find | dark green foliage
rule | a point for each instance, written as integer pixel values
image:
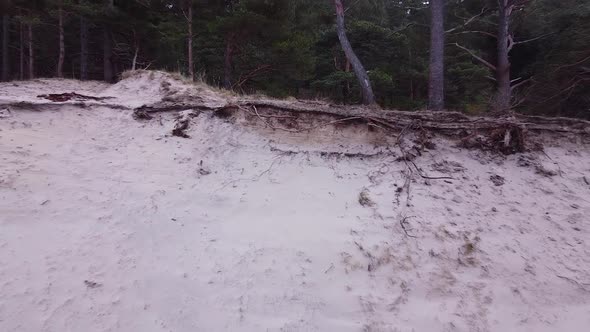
(290, 48)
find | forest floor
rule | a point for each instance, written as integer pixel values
(109, 223)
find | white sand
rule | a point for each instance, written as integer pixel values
(271, 241)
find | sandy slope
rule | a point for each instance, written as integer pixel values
(109, 224)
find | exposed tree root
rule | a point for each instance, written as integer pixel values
(182, 124)
(507, 135)
(507, 138)
(63, 97)
(49, 106)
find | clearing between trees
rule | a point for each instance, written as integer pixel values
(158, 205)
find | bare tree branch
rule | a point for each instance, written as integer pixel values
(244, 78)
(569, 88)
(520, 83)
(468, 21)
(510, 42)
(533, 39)
(572, 64)
(351, 5)
(404, 27)
(484, 62)
(477, 31)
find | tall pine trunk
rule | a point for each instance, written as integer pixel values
(83, 48)
(5, 51)
(191, 67)
(357, 66)
(62, 49)
(503, 94)
(108, 45)
(107, 54)
(31, 51)
(227, 63)
(22, 51)
(436, 82)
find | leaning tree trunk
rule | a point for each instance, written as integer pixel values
(5, 51)
(62, 49)
(227, 63)
(357, 66)
(436, 99)
(31, 51)
(503, 94)
(83, 48)
(191, 68)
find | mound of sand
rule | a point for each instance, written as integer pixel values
(144, 87)
(135, 89)
(112, 224)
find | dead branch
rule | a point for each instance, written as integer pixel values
(248, 76)
(521, 82)
(468, 21)
(533, 39)
(489, 34)
(475, 56)
(572, 64)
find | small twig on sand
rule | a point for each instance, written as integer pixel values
(330, 268)
(257, 177)
(577, 283)
(554, 162)
(403, 223)
(430, 177)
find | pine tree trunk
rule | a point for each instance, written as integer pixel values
(5, 51)
(357, 66)
(191, 68)
(436, 82)
(62, 50)
(227, 66)
(503, 94)
(31, 51)
(22, 52)
(108, 46)
(107, 54)
(83, 48)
